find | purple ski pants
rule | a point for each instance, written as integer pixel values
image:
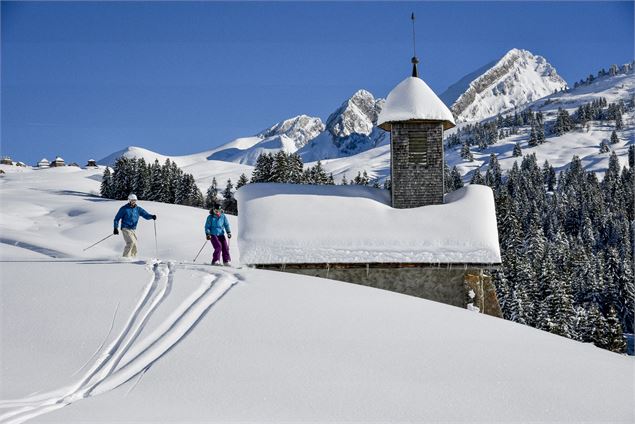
(220, 245)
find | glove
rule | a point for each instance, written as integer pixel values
(154, 217)
(229, 235)
(208, 237)
(116, 231)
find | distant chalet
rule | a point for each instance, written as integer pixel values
(413, 240)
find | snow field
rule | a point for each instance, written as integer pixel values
(130, 342)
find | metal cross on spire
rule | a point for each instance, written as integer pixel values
(415, 72)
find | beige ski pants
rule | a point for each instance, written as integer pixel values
(131, 243)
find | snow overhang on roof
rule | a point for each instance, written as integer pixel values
(413, 100)
(307, 224)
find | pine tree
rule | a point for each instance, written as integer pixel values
(614, 138)
(106, 184)
(604, 147)
(466, 153)
(477, 178)
(563, 122)
(533, 137)
(619, 124)
(263, 170)
(280, 168)
(614, 334)
(296, 168)
(242, 180)
(229, 203)
(317, 174)
(456, 180)
(158, 185)
(344, 180)
(211, 197)
(141, 183)
(517, 151)
(494, 174)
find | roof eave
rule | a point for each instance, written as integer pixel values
(386, 126)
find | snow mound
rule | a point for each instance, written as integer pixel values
(286, 223)
(413, 99)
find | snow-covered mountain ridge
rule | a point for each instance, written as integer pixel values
(350, 142)
(518, 78)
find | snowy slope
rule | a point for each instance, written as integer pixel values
(583, 142)
(194, 343)
(344, 224)
(57, 212)
(288, 136)
(199, 165)
(519, 77)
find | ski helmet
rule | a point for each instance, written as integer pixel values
(132, 196)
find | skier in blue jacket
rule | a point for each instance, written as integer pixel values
(129, 216)
(215, 227)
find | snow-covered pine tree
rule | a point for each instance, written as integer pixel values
(517, 151)
(619, 124)
(614, 138)
(242, 180)
(122, 178)
(229, 203)
(280, 168)
(604, 147)
(563, 122)
(318, 174)
(263, 168)
(141, 179)
(494, 174)
(344, 180)
(211, 198)
(106, 184)
(296, 168)
(466, 153)
(477, 177)
(615, 336)
(456, 179)
(533, 137)
(158, 185)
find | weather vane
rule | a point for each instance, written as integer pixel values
(415, 72)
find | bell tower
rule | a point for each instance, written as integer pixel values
(416, 119)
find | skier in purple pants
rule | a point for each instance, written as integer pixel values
(215, 227)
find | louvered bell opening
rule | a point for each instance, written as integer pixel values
(417, 147)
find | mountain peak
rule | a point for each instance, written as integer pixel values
(517, 78)
(357, 115)
(301, 129)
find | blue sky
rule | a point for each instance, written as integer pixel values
(84, 79)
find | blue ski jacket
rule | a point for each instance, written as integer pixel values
(214, 225)
(129, 216)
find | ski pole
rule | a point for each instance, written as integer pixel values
(199, 252)
(156, 243)
(98, 242)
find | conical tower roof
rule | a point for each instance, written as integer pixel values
(413, 100)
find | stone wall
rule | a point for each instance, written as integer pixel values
(441, 284)
(417, 179)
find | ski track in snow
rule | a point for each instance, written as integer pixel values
(126, 357)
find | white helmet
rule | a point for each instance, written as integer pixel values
(132, 196)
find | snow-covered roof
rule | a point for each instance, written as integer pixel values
(412, 99)
(287, 223)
